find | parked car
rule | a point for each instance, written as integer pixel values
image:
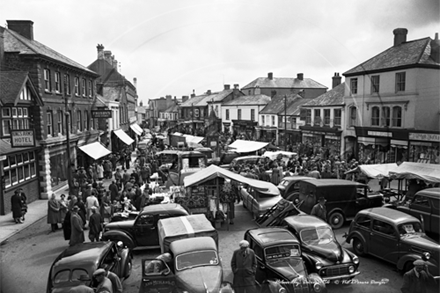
(195, 267)
(225, 159)
(321, 251)
(290, 185)
(143, 230)
(344, 198)
(75, 265)
(393, 236)
(279, 257)
(257, 200)
(244, 160)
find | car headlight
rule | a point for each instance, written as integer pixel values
(356, 260)
(317, 287)
(318, 265)
(351, 269)
(426, 255)
(282, 290)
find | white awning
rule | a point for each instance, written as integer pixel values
(247, 146)
(95, 150)
(123, 136)
(136, 128)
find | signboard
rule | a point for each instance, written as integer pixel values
(22, 138)
(379, 133)
(424, 136)
(101, 113)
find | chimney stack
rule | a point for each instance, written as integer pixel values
(193, 94)
(270, 75)
(227, 86)
(236, 86)
(208, 92)
(435, 50)
(300, 76)
(135, 82)
(108, 57)
(184, 99)
(100, 48)
(114, 63)
(23, 27)
(336, 80)
(399, 36)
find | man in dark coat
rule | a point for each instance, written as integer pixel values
(95, 225)
(67, 226)
(319, 210)
(16, 205)
(114, 191)
(417, 279)
(77, 234)
(244, 267)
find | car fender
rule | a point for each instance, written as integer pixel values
(310, 261)
(126, 256)
(117, 235)
(358, 235)
(410, 257)
(336, 210)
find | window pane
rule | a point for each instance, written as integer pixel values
(6, 112)
(6, 124)
(7, 178)
(20, 173)
(19, 159)
(26, 171)
(25, 112)
(14, 179)
(33, 172)
(12, 160)
(25, 157)
(31, 156)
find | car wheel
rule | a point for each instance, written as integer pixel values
(129, 268)
(407, 267)
(336, 220)
(358, 247)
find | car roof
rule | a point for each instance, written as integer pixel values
(272, 235)
(297, 178)
(192, 244)
(430, 192)
(389, 214)
(165, 207)
(83, 255)
(304, 221)
(332, 182)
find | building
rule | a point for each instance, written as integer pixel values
(169, 118)
(141, 114)
(392, 102)
(155, 107)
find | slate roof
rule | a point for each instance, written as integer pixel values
(107, 72)
(14, 42)
(295, 108)
(251, 100)
(284, 82)
(276, 105)
(11, 83)
(173, 109)
(334, 97)
(193, 101)
(412, 53)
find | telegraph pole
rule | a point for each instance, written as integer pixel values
(67, 115)
(285, 123)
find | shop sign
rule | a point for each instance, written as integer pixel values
(334, 137)
(379, 133)
(424, 136)
(101, 113)
(22, 138)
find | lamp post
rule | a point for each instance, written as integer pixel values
(69, 170)
(285, 123)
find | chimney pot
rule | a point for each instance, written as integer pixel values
(400, 36)
(208, 92)
(227, 86)
(100, 49)
(236, 86)
(300, 76)
(270, 75)
(435, 49)
(23, 27)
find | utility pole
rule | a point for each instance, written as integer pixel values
(67, 115)
(192, 119)
(285, 123)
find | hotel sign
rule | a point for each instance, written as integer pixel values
(22, 138)
(424, 136)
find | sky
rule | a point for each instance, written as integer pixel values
(175, 47)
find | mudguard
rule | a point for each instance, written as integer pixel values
(116, 235)
(125, 258)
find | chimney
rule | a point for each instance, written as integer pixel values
(273, 94)
(168, 98)
(114, 63)
(193, 94)
(300, 76)
(435, 52)
(227, 86)
(336, 80)
(141, 104)
(184, 99)
(257, 90)
(23, 27)
(235, 92)
(399, 36)
(108, 57)
(236, 86)
(270, 75)
(100, 48)
(135, 82)
(2, 48)
(208, 92)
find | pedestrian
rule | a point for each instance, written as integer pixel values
(16, 205)
(53, 212)
(314, 173)
(95, 225)
(244, 267)
(63, 208)
(67, 226)
(114, 279)
(23, 204)
(276, 175)
(114, 191)
(77, 234)
(417, 279)
(91, 201)
(100, 171)
(319, 210)
(127, 161)
(104, 284)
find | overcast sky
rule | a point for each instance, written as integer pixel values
(174, 47)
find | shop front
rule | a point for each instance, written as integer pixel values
(226, 127)
(120, 140)
(326, 143)
(244, 129)
(268, 134)
(424, 147)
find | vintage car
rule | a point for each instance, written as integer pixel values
(393, 236)
(179, 164)
(194, 267)
(244, 160)
(259, 200)
(289, 185)
(75, 265)
(321, 251)
(279, 257)
(142, 231)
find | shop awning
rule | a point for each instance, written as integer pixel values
(421, 171)
(136, 128)
(95, 150)
(375, 170)
(123, 136)
(247, 146)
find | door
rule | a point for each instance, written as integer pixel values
(157, 277)
(146, 230)
(360, 202)
(384, 241)
(261, 274)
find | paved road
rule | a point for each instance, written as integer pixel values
(26, 259)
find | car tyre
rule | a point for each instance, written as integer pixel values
(129, 269)
(407, 267)
(336, 220)
(358, 247)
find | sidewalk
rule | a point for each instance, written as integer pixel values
(37, 210)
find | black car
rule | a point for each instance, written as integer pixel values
(279, 257)
(290, 185)
(75, 265)
(142, 231)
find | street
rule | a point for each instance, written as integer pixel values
(27, 257)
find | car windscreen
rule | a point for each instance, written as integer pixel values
(410, 228)
(265, 195)
(70, 276)
(318, 235)
(196, 258)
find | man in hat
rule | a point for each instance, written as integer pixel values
(319, 210)
(417, 279)
(77, 233)
(114, 279)
(82, 288)
(95, 226)
(104, 283)
(244, 267)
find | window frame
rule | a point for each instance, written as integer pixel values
(49, 123)
(47, 81)
(238, 114)
(375, 120)
(375, 84)
(317, 117)
(83, 87)
(386, 116)
(353, 116)
(57, 81)
(76, 86)
(396, 118)
(400, 81)
(252, 114)
(327, 116)
(78, 121)
(60, 122)
(354, 85)
(66, 84)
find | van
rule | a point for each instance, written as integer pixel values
(344, 198)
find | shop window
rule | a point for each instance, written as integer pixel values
(19, 168)
(375, 116)
(400, 81)
(375, 82)
(386, 117)
(397, 116)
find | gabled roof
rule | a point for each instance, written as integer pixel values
(14, 42)
(219, 96)
(334, 97)
(252, 100)
(172, 109)
(407, 54)
(204, 99)
(295, 108)
(11, 85)
(278, 103)
(193, 101)
(107, 72)
(284, 82)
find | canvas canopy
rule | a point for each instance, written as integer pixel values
(123, 136)
(247, 146)
(136, 128)
(214, 171)
(274, 155)
(95, 150)
(377, 171)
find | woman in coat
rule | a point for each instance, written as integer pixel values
(16, 205)
(53, 212)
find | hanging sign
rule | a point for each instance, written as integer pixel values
(22, 138)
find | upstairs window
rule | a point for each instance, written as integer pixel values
(76, 86)
(57, 78)
(354, 85)
(375, 116)
(78, 121)
(400, 81)
(49, 123)
(47, 85)
(397, 116)
(337, 117)
(67, 84)
(353, 116)
(83, 87)
(60, 122)
(90, 88)
(86, 120)
(375, 82)
(317, 118)
(326, 117)
(386, 116)
(25, 94)
(308, 117)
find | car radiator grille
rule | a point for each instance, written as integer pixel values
(300, 287)
(335, 271)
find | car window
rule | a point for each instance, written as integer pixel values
(147, 219)
(320, 235)
(77, 273)
(421, 201)
(275, 253)
(363, 221)
(360, 192)
(383, 227)
(62, 276)
(410, 228)
(156, 267)
(257, 249)
(196, 258)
